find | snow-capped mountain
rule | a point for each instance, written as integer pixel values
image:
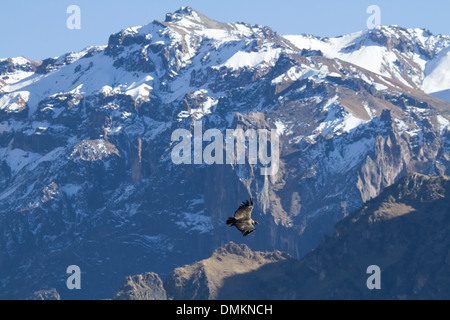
(408, 55)
(85, 143)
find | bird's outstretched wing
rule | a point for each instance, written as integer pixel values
(244, 212)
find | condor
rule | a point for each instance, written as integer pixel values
(243, 218)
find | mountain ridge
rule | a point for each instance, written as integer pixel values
(85, 148)
(396, 231)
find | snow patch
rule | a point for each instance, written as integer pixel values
(18, 159)
(281, 127)
(444, 123)
(337, 121)
(14, 102)
(71, 189)
(244, 59)
(437, 75)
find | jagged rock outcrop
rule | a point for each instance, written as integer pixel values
(147, 286)
(50, 294)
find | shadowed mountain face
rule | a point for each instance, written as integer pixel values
(405, 232)
(86, 174)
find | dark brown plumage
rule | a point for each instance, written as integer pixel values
(243, 218)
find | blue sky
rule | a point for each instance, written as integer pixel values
(37, 29)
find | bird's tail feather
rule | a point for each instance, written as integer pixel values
(231, 222)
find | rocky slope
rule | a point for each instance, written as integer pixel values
(146, 286)
(203, 280)
(404, 231)
(86, 175)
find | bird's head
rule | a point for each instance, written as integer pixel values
(255, 222)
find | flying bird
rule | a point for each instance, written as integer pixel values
(243, 218)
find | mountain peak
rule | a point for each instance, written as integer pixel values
(181, 13)
(209, 275)
(186, 13)
(185, 10)
(190, 19)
